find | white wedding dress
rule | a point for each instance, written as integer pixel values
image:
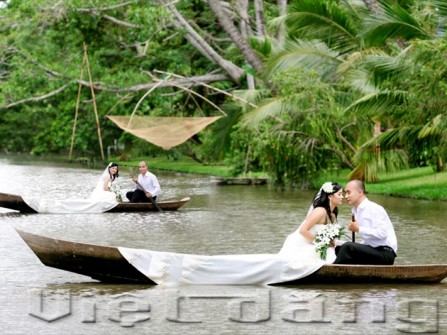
(99, 194)
(99, 201)
(296, 259)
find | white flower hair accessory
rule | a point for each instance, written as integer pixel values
(328, 187)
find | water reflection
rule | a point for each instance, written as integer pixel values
(217, 220)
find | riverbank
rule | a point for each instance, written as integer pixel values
(416, 183)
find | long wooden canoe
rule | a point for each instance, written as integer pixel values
(16, 202)
(105, 263)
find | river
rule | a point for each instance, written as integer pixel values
(218, 220)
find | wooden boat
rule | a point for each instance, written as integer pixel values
(105, 263)
(17, 203)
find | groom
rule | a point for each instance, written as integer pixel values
(147, 186)
(374, 227)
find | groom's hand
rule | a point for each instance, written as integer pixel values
(353, 226)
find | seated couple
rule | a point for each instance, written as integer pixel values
(371, 223)
(298, 257)
(147, 185)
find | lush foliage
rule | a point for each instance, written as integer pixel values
(297, 132)
(332, 85)
(43, 45)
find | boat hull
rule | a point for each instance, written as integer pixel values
(102, 263)
(361, 274)
(105, 263)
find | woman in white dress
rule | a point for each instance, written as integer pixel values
(324, 210)
(297, 258)
(101, 200)
(103, 190)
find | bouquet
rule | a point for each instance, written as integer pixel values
(117, 190)
(324, 237)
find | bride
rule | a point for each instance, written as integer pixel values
(101, 199)
(103, 190)
(297, 258)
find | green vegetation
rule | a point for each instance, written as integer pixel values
(417, 183)
(323, 85)
(184, 164)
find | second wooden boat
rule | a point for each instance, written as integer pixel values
(16, 202)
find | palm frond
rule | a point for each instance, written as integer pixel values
(252, 97)
(437, 126)
(385, 152)
(270, 108)
(324, 20)
(373, 70)
(221, 139)
(308, 54)
(375, 103)
(371, 163)
(396, 138)
(394, 22)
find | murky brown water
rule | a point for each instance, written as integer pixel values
(218, 220)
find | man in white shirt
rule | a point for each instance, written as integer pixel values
(147, 187)
(372, 223)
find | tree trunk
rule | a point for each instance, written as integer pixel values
(260, 21)
(244, 22)
(227, 24)
(202, 46)
(282, 7)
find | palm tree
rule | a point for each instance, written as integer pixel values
(349, 46)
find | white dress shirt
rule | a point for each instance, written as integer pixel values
(150, 183)
(376, 228)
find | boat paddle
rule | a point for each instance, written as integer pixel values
(353, 233)
(151, 199)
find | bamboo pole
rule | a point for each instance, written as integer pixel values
(77, 110)
(94, 102)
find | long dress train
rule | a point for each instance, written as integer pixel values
(296, 259)
(98, 202)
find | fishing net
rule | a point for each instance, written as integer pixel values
(165, 132)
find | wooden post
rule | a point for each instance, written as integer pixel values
(77, 109)
(85, 63)
(94, 102)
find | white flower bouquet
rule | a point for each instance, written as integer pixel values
(324, 237)
(117, 190)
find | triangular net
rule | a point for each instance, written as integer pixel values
(165, 132)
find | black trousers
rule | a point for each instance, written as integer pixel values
(138, 196)
(356, 253)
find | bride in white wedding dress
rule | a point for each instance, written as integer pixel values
(297, 258)
(101, 199)
(102, 191)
